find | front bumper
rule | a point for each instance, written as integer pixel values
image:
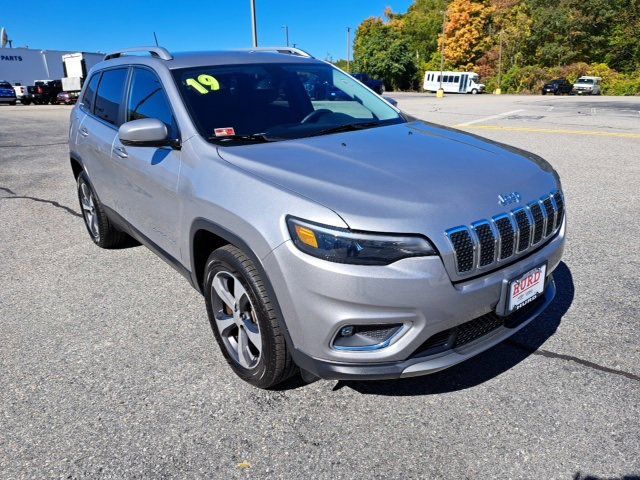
(317, 298)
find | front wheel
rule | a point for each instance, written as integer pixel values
(243, 319)
(474, 91)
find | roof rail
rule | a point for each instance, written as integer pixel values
(157, 52)
(285, 50)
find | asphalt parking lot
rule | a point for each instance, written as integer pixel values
(109, 369)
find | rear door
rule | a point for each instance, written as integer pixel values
(147, 191)
(99, 128)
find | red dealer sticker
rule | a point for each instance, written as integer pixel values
(224, 132)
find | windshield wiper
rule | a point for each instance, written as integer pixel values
(347, 127)
(254, 137)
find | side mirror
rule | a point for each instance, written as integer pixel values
(146, 132)
(391, 101)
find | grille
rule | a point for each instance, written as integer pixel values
(377, 332)
(538, 222)
(560, 207)
(474, 329)
(524, 226)
(506, 234)
(550, 212)
(462, 244)
(487, 243)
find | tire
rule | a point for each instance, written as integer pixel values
(474, 91)
(247, 313)
(100, 229)
(12, 103)
(544, 93)
(25, 102)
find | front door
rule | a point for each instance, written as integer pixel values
(149, 175)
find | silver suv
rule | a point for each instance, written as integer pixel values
(327, 231)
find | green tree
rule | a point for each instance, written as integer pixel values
(381, 51)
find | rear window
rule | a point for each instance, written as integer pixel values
(109, 95)
(5, 85)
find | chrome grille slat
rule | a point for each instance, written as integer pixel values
(537, 222)
(559, 200)
(506, 234)
(486, 243)
(464, 247)
(550, 211)
(523, 223)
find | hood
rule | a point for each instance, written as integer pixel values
(406, 178)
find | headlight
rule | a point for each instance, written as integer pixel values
(346, 246)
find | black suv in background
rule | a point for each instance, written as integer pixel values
(557, 87)
(45, 91)
(375, 85)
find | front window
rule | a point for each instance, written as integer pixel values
(236, 104)
(587, 81)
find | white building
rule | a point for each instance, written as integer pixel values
(26, 65)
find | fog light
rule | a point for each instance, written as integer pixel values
(346, 331)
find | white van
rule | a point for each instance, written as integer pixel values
(587, 85)
(453, 82)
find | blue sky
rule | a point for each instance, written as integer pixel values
(318, 26)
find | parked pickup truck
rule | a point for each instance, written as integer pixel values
(46, 91)
(375, 85)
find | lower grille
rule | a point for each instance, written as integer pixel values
(474, 329)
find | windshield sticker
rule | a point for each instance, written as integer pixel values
(224, 132)
(201, 84)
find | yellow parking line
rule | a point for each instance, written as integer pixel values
(595, 133)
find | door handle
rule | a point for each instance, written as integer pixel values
(84, 132)
(121, 151)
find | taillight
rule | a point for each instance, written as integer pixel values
(40, 90)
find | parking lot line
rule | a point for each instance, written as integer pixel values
(595, 133)
(492, 117)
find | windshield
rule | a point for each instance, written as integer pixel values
(234, 104)
(588, 81)
(5, 85)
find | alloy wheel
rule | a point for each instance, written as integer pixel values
(236, 319)
(89, 210)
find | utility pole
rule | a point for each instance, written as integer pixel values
(286, 33)
(349, 49)
(440, 92)
(254, 25)
(499, 89)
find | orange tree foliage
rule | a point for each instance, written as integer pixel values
(465, 31)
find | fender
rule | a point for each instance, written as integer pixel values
(204, 224)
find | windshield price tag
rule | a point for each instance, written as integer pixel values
(204, 84)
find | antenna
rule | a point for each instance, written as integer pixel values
(155, 38)
(4, 38)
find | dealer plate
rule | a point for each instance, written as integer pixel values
(526, 288)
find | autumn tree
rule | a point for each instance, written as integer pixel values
(465, 31)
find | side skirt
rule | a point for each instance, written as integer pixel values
(126, 227)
